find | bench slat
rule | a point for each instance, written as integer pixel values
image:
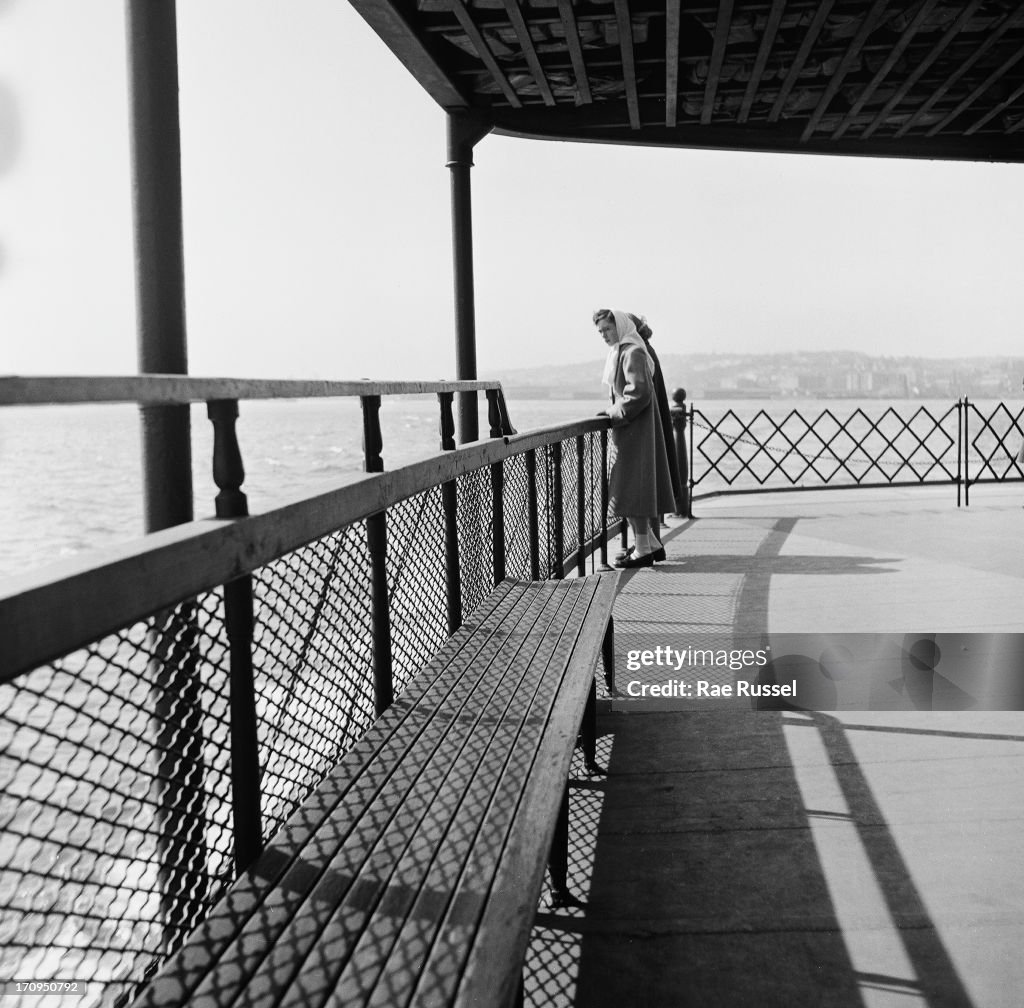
(494, 963)
(402, 848)
(487, 806)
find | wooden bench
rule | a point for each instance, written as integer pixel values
(411, 876)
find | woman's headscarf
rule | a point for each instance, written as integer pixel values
(628, 336)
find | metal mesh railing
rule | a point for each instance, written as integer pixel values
(517, 518)
(117, 820)
(826, 448)
(115, 808)
(312, 661)
(993, 439)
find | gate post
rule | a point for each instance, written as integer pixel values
(678, 412)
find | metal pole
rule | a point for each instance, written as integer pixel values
(159, 256)
(464, 130)
(967, 452)
(161, 348)
(959, 448)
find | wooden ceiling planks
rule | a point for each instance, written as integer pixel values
(852, 53)
(905, 78)
(671, 62)
(624, 24)
(465, 19)
(572, 37)
(998, 110)
(811, 36)
(515, 16)
(967, 102)
(1004, 25)
(771, 29)
(722, 26)
(886, 68)
(923, 67)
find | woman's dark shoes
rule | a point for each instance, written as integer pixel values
(659, 553)
(647, 560)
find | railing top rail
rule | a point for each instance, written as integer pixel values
(51, 611)
(154, 389)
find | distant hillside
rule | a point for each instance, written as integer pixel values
(791, 375)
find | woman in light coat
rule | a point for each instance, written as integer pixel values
(639, 482)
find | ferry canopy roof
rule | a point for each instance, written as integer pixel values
(901, 78)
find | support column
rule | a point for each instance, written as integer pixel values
(465, 130)
(159, 256)
(179, 785)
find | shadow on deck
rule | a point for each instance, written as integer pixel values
(736, 857)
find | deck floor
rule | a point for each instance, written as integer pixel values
(736, 857)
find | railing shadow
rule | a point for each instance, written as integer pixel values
(708, 881)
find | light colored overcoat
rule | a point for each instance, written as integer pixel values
(640, 484)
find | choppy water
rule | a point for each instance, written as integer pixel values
(70, 476)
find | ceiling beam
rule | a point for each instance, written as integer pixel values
(671, 62)
(572, 39)
(624, 23)
(979, 91)
(771, 29)
(722, 26)
(483, 50)
(515, 16)
(607, 122)
(922, 67)
(1001, 107)
(886, 68)
(1000, 30)
(417, 58)
(813, 30)
(853, 51)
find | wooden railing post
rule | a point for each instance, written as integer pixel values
(497, 430)
(604, 499)
(228, 474)
(678, 413)
(495, 420)
(450, 504)
(533, 518)
(555, 506)
(377, 546)
(581, 525)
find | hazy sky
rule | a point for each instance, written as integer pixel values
(318, 233)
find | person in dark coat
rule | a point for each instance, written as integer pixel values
(645, 333)
(638, 484)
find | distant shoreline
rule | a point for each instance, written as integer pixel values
(572, 395)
